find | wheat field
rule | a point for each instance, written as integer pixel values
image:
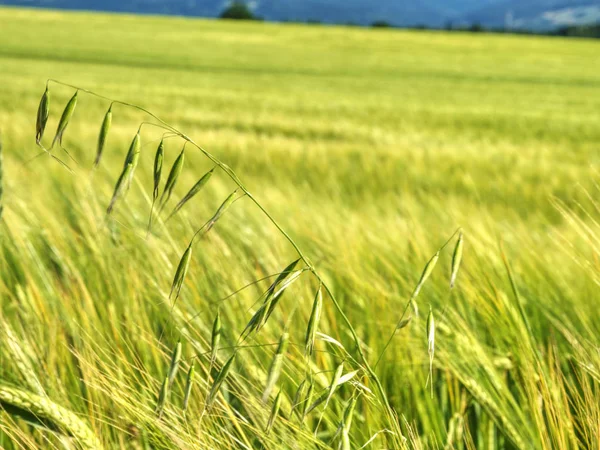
(369, 148)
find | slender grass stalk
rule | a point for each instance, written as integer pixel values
(232, 175)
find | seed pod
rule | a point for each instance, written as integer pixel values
(172, 178)
(313, 323)
(192, 192)
(181, 271)
(276, 365)
(42, 116)
(162, 397)
(175, 358)
(188, 387)
(456, 259)
(64, 119)
(274, 412)
(219, 381)
(103, 134)
(426, 272)
(158, 163)
(119, 187)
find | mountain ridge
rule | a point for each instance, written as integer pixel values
(517, 14)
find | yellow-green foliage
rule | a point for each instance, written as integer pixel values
(369, 148)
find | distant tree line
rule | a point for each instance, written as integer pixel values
(239, 10)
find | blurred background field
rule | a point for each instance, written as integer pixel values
(370, 147)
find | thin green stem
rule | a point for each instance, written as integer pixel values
(232, 175)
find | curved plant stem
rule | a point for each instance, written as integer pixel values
(232, 175)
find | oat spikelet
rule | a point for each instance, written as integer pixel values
(181, 272)
(103, 134)
(175, 358)
(163, 394)
(64, 119)
(430, 346)
(276, 365)
(347, 423)
(456, 259)
(119, 187)
(274, 412)
(215, 338)
(172, 179)
(133, 156)
(192, 192)
(313, 322)
(188, 387)
(219, 381)
(42, 116)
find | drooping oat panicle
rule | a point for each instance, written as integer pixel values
(430, 345)
(274, 412)
(222, 375)
(41, 411)
(175, 358)
(456, 259)
(276, 365)
(181, 271)
(188, 387)
(172, 178)
(313, 322)
(103, 134)
(42, 116)
(298, 397)
(119, 187)
(163, 394)
(215, 338)
(192, 192)
(64, 119)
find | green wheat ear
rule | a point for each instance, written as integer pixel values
(41, 411)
